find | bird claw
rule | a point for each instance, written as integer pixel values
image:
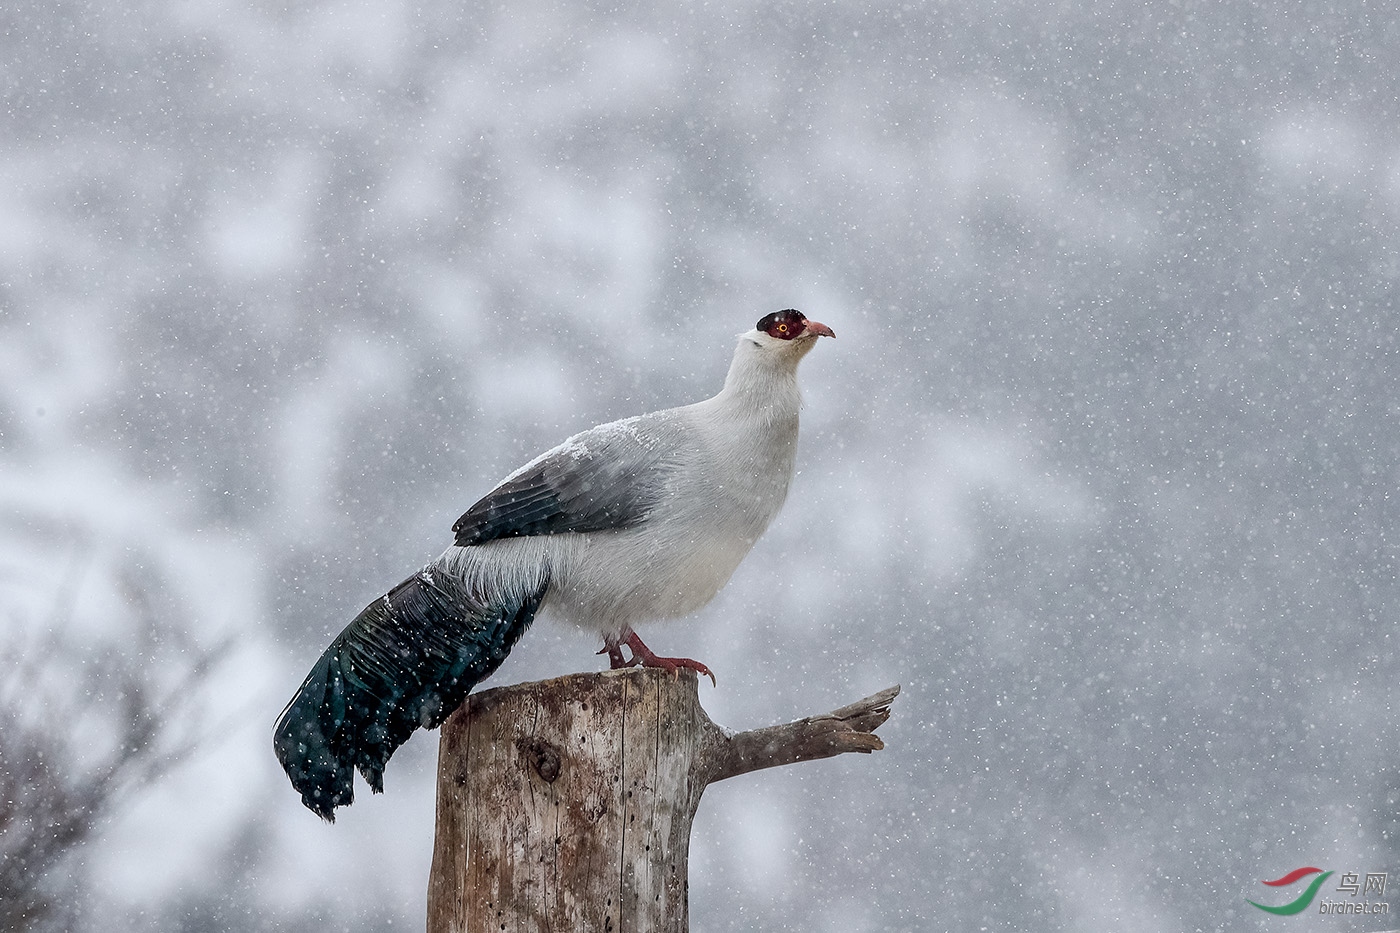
(674, 666)
(614, 653)
(645, 657)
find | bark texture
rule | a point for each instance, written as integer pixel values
(566, 804)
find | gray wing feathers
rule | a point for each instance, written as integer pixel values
(609, 477)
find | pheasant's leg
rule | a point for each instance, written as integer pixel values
(613, 649)
(644, 656)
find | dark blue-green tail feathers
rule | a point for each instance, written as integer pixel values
(407, 661)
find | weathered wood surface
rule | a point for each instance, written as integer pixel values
(567, 804)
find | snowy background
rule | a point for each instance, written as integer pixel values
(1102, 467)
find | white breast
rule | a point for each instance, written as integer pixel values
(689, 547)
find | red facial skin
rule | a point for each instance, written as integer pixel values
(790, 324)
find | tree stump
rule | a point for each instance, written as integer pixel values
(566, 804)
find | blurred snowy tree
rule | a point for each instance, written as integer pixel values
(86, 724)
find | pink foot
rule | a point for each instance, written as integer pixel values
(644, 656)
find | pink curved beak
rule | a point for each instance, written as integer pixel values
(820, 330)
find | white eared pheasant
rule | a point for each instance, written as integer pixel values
(640, 519)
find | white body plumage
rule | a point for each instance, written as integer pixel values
(724, 476)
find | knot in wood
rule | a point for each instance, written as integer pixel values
(543, 757)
